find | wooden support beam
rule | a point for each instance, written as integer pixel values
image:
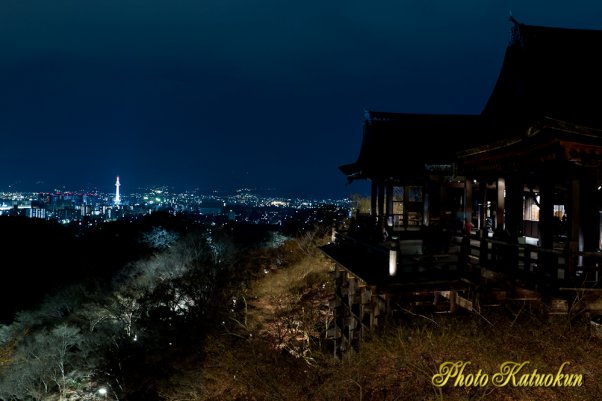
(452, 301)
(500, 204)
(468, 199)
(381, 204)
(373, 200)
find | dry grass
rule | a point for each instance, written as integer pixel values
(274, 351)
(402, 360)
(281, 282)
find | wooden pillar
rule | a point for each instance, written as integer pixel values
(575, 233)
(373, 201)
(500, 204)
(514, 206)
(452, 301)
(546, 261)
(483, 208)
(484, 249)
(583, 219)
(389, 200)
(381, 204)
(468, 200)
(406, 197)
(590, 211)
(426, 203)
(443, 203)
(546, 215)
(514, 218)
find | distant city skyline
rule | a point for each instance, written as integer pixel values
(40, 187)
(86, 209)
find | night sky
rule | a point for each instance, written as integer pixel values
(221, 94)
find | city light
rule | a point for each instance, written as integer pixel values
(86, 208)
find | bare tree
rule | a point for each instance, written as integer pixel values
(45, 360)
(160, 238)
(62, 340)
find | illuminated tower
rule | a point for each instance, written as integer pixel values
(117, 197)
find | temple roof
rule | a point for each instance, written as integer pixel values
(549, 72)
(398, 145)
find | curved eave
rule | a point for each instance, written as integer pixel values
(353, 171)
(554, 141)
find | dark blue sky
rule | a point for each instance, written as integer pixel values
(219, 94)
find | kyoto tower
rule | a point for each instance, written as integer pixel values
(117, 197)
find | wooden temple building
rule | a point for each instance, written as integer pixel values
(470, 210)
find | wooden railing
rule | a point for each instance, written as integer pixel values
(539, 263)
(555, 267)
